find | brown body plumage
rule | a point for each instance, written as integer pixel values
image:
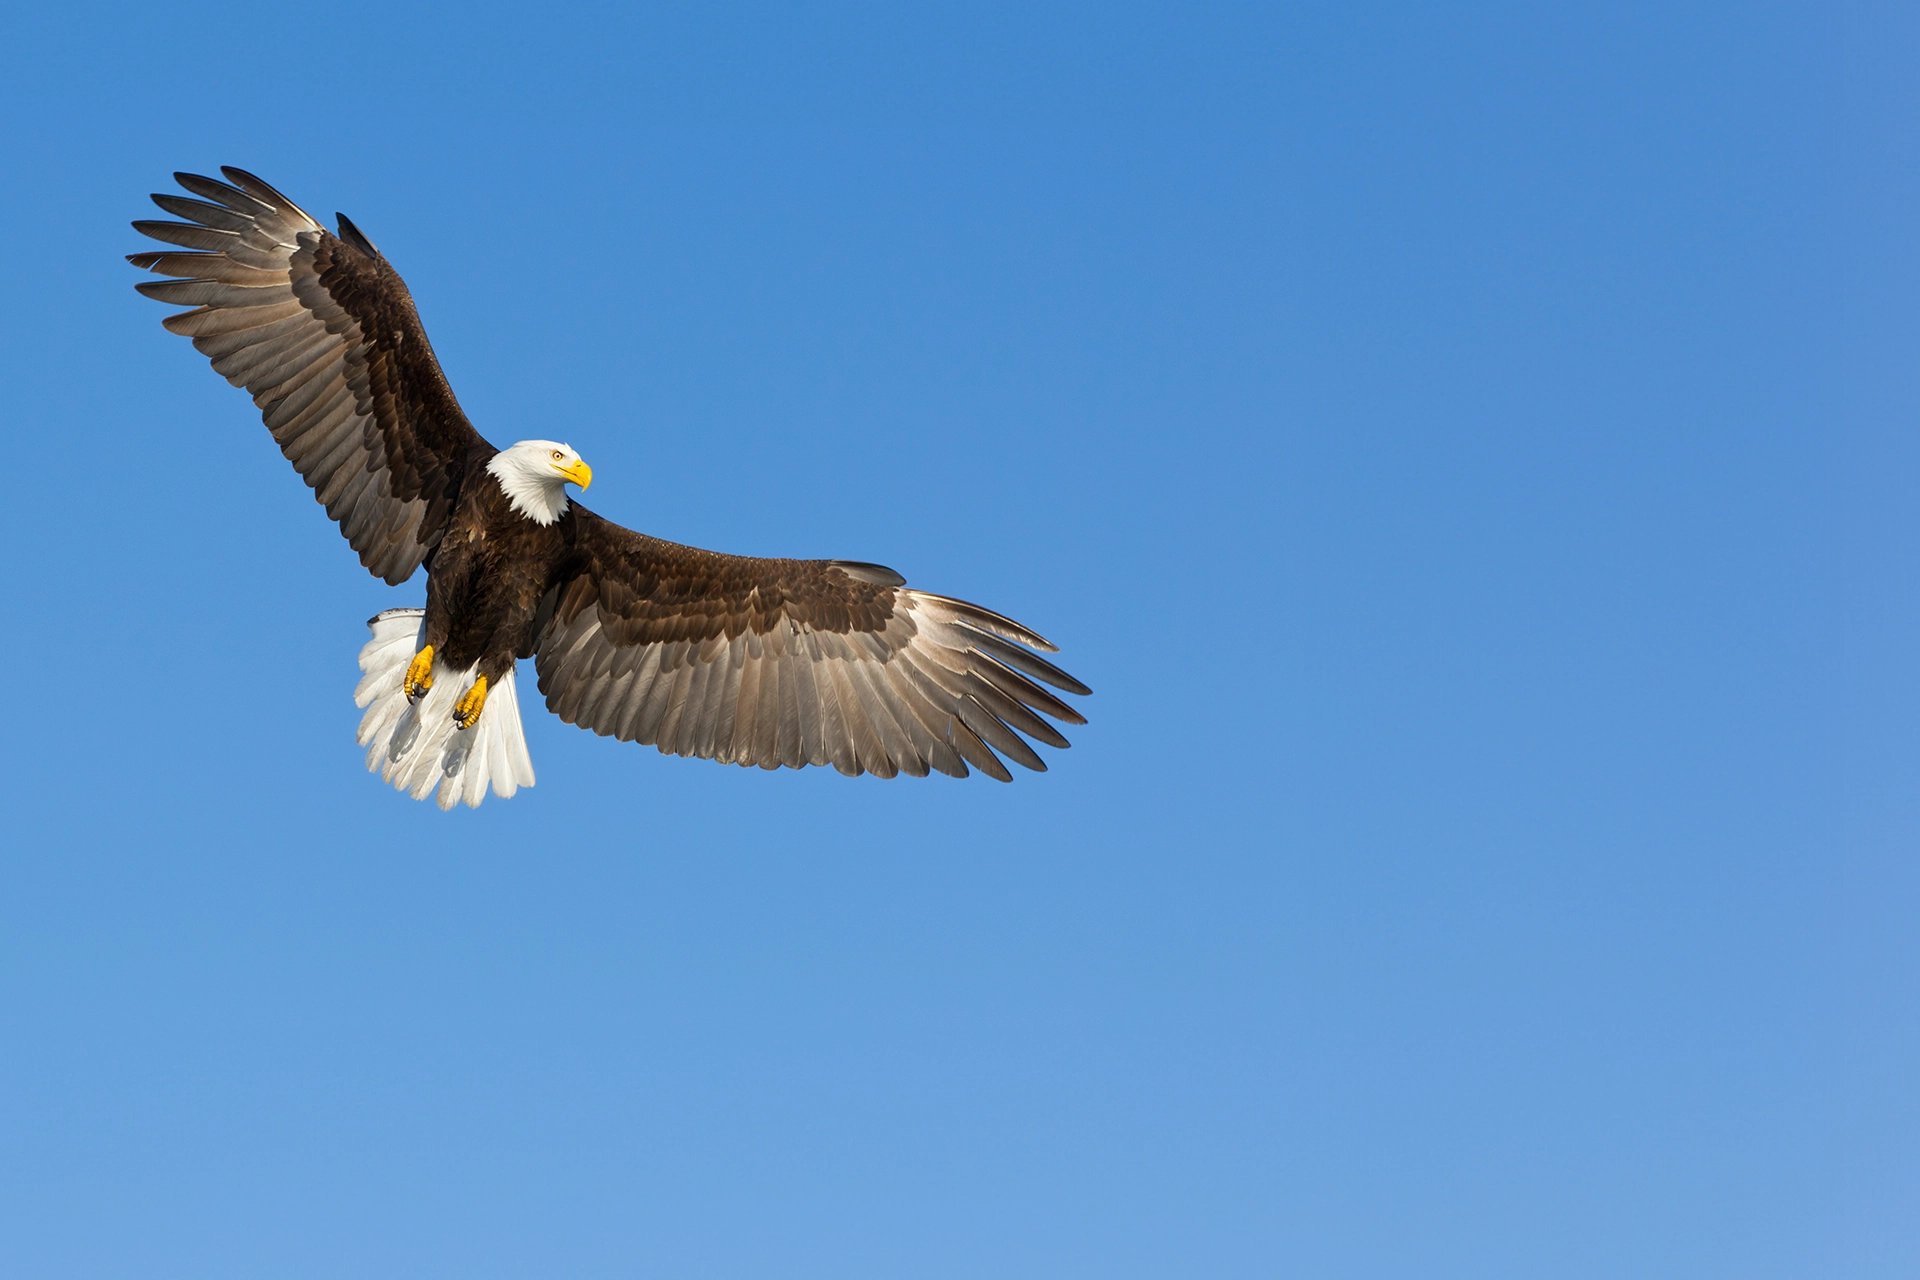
(755, 661)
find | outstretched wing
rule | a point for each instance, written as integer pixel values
(323, 332)
(789, 662)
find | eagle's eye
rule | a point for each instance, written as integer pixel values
(556, 455)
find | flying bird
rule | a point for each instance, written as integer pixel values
(767, 662)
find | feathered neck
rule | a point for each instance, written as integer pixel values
(540, 495)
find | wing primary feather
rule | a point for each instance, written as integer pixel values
(996, 622)
(207, 215)
(260, 190)
(210, 266)
(977, 753)
(1024, 660)
(998, 736)
(1015, 685)
(186, 234)
(231, 197)
(207, 320)
(947, 691)
(211, 293)
(925, 723)
(1015, 713)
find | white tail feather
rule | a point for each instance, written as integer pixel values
(415, 746)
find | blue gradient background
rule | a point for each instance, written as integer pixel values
(1469, 451)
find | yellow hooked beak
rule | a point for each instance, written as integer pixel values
(580, 473)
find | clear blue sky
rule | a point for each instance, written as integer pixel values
(1470, 451)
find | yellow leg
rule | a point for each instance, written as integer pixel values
(467, 711)
(419, 677)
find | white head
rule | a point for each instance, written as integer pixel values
(534, 475)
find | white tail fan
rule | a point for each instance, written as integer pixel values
(414, 746)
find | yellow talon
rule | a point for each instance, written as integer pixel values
(466, 712)
(419, 677)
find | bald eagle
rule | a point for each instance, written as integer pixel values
(750, 661)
